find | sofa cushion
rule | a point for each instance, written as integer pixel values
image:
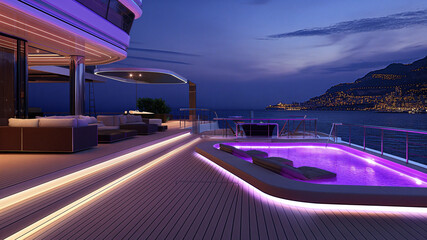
(122, 119)
(99, 124)
(17, 122)
(47, 122)
(108, 127)
(133, 118)
(88, 118)
(109, 120)
(83, 122)
(61, 117)
(155, 121)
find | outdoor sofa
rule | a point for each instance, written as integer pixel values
(128, 122)
(47, 135)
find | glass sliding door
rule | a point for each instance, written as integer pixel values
(13, 79)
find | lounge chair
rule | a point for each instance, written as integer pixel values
(287, 170)
(241, 153)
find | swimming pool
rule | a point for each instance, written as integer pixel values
(352, 167)
(362, 178)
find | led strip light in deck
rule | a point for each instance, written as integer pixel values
(314, 206)
(19, 197)
(69, 209)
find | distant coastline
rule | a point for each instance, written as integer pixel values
(396, 88)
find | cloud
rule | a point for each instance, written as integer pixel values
(158, 60)
(391, 22)
(259, 1)
(163, 52)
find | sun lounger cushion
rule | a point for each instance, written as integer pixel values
(313, 173)
(256, 153)
(226, 148)
(282, 160)
(241, 153)
(293, 172)
(274, 164)
(307, 173)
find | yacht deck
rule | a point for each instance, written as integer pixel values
(182, 196)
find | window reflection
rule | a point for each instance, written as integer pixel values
(113, 11)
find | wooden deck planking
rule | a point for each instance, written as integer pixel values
(415, 224)
(24, 214)
(329, 220)
(167, 200)
(115, 210)
(148, 192)
(346, 228)
(198, 209)
(283, 230)
(200, 216)
(77, 221)
(118, 194)
(370, 226)
(185, 198)
(170, 218)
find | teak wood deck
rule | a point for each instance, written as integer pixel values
(184, 197)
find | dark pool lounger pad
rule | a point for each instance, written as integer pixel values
(241, 153)
(282, 166)
(274, 164)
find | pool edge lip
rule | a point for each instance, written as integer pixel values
(278, 186)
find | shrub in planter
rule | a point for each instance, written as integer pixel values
(157, 106)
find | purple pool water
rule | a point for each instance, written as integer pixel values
(352, 167)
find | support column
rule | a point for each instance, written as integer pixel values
(192, 100)
(21, 80)
(192, 104)
(77, 85)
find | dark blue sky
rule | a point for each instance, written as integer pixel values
(251, 53)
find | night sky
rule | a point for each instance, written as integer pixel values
(247, 54)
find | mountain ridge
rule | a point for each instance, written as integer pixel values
(395, 88)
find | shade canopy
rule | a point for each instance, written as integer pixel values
(51, 74)
(141, 75)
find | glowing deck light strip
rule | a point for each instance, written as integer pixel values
(63, 212)
(42, 188)
(314, 206)
(64, 39)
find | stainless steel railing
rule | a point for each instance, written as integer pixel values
(286, 127)
(414, 142)
(193, 117)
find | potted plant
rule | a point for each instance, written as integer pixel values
(157, 106)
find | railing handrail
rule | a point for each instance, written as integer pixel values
(199, 109)
(386, 128)
(382, 128)
(268, 119)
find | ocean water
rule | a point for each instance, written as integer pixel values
(393, 143)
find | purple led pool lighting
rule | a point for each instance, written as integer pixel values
(369, 209)
(353, 167)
